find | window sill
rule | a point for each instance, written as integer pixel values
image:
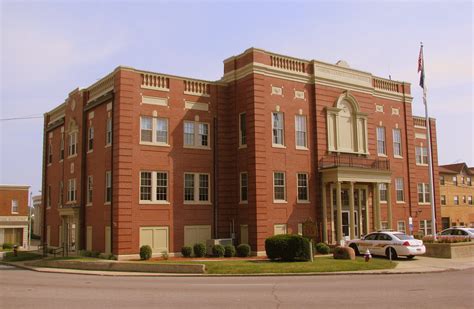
(154, 203)
(61, 161)
(196, 203)
(278, 146)
(400, 202)
(243, 146)
(303, 202)
(49, 164)
(383, 202)
(398, 157)
(90, 151)
(196, 147)
(154, 144)
(107, 145)
(302, 148)
(421, 164)
(280, 202)
(424, 204)
(243, 203)
(107, 203)
(16, 213)
(72, 157)
(88, 204)
(382, 155)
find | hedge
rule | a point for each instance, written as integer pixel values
(199, 250)
(288, 248)
(243, 250)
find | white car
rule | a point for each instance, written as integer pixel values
(457, 231)
(388, 243)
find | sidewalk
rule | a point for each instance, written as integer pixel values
(416, 266)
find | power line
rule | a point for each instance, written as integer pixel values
(20, 118)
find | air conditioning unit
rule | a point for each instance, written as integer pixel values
(222, 241)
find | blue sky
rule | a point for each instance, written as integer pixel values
(48, 48)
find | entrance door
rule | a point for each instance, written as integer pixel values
(70, 233)
(346, 221)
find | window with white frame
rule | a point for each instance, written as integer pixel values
(425, 227)
(243, 129)
(383, 192)
(300, 126)
(90, 140)
(60, 193)
(464, 199)
(399, 189)
(71, 190)
(196, 134)
(401, 227)
(14, 206)
(469, 181)
(279, 193)
(50, 152)
(421, 154)
(108, 186)
(72, 144)
(302, 179)
(423, 193)
(48, 196)
(441, 180)
(455, 180)
(397, 143)
(456, 200)
(154, 186)
(61, 147)
(196, 187)
(108, 132)
(469, 199)
(244, 187)
(154, 130)
(89, 189)
(278, 129)
(443, 199)
(384, 225)
(381, 140)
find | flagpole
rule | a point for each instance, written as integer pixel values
(430, 161)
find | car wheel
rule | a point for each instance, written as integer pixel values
(356, 250)
(410, 257)
(392, 251)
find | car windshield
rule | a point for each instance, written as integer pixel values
(471, 230)
(402, 236)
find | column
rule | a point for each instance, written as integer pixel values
(359, 211)
(325, 213)
(389, 205)
(376, 205)
(339, 211)
(331, 201)
(351, 211)
(367, 216)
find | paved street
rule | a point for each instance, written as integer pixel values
(28, 289)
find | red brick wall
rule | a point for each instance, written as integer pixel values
(9, 194)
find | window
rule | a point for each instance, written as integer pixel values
(441, 180)
(243, 187)
(469, 199)
(464, 199)
(423, 193)
(50, 152)
(278, 131)
(279, 186)
(71, 191)
(383, 192)
(399, 189)
(90, 140)
(89, 189)
(108, 186)
(154, 130)
(108, 132)
(48, 197)
(456, 200)
(384, 226)
(300, 125)
(61, 148)
(243, 129)
(154, 186)
(302, 187)
(196, 187)
(425, 227)
(397, 143)
(462, 179)
(14, 206)
(443, 199)
(469, 182)
(60, 193)
(401, 226)
(381, 140)
(455, 180)
(421, 155)
(196, 134)
(72, 144)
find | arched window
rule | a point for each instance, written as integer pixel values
(346, 126)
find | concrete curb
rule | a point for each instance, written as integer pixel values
(141, 274)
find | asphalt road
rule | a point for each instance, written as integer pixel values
(28, 289)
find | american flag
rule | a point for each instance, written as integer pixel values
(421, 68)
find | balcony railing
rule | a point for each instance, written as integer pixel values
(352, 161)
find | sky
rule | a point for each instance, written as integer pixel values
(49, 48)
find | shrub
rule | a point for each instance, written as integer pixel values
(186, 251)
(288, 248)
(145, 252)
(34, 236)
(344, 253)
(322, 248)
(7, 246)
(243, 250)
(165, 255)
(218, 250)
(229, 251)
(199, 250)
(104, 256)
(95, 254)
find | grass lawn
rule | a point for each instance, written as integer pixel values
(320, 264)
(22, 256)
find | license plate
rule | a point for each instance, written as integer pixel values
(418, 249)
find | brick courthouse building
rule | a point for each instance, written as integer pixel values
(151, 158)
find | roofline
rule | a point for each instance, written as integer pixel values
(12, 187)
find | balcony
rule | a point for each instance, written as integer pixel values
(331, 161)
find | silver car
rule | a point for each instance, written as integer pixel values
(457, 231)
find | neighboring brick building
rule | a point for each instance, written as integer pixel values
(456, 195)
(150, 158)
(14, 214)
